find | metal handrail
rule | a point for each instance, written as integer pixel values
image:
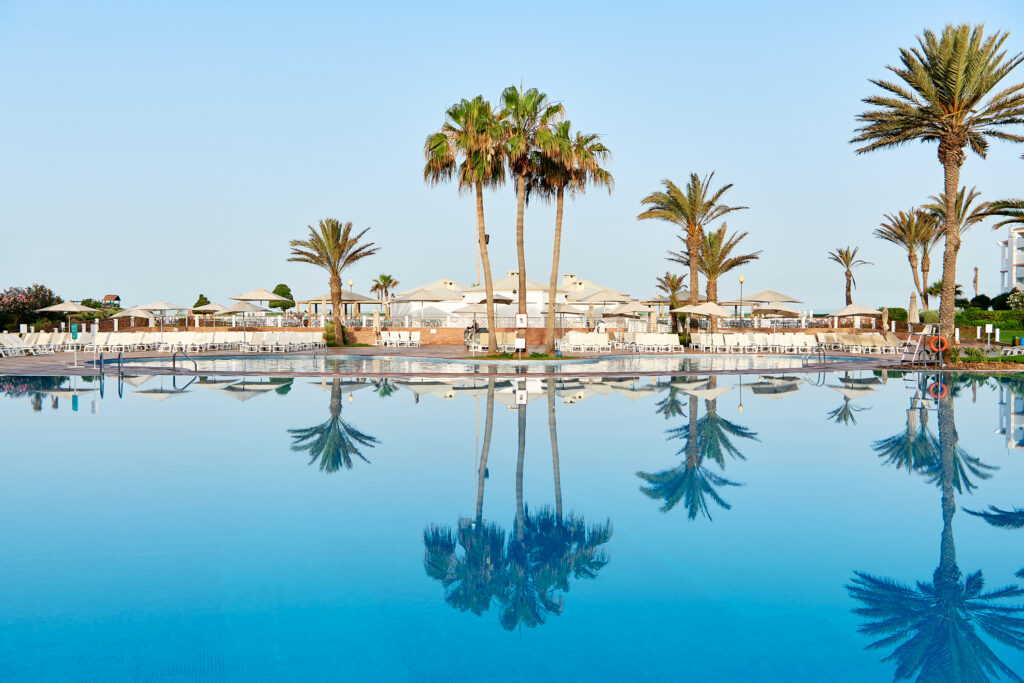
(174, 361)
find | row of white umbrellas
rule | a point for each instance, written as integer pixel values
(243, 306)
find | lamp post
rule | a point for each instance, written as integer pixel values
(351, 283)
(741, 296)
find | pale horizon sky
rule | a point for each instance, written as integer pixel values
(157, 151)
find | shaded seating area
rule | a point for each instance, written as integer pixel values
(168, 342)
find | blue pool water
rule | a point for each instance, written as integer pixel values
(337, 529)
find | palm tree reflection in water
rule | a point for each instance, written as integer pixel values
(705, 439)
(932, 626)
(333, 443)
(526, 574)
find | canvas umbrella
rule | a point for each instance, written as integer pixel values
(260, 295)
(632, 309)
(133, 313)
(913, 317)
(241, 308)
(426, 296)
(855, 309)
(208, 308)
(776, 309)
(67, 307)
(706, 308)
(561, 310)
(769, 296)
(162, 307)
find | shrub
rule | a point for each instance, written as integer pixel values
(973, 354)
(201, 301)
(92, 303)
(898, 314)
(961, 302)
(18, 305)
(929, 316)
(981, 301)
(1015, 300)
(999, 302)
(329, 335)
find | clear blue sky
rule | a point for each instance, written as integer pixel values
(157, 150)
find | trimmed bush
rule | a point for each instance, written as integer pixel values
(929, 316)
(898, 314)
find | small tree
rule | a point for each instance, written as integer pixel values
(283, 290)
(92, 303)
(19, 305)
(1015, 301)
(201, 301)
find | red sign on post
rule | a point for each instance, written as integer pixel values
(522, 321)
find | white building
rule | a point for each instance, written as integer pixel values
(1011, 262)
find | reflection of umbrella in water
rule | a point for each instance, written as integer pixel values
(137, 380)
(773, 390)
(160, 394)
(708, 394)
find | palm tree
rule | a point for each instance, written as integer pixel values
(333, 247)
(570, 163)
(716, 259)
(935, 289)
(947, 95)
(474, 578)
(383, 287)
(932, 626)
(692, 210)
(914, 231)
(469, 144)
(524, 114)
(333, 443)
(671, 285)
(671, 406)
(847, 258)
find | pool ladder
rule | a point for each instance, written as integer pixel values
(174, 361)
(817, 352)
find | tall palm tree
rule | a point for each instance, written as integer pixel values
(333, 247)
(485, 451)
(716, 259)
(914, 231)
(333, 443)
(947, 95)
(524, 114)
(570, 163)
(931, 626)
(384, 286)
(671, 285)
(965, 215)
(468, 146)
(691, 209)
(847, 258)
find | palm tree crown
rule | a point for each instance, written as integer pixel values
(691, 209)
(847, 258)
(916, 231)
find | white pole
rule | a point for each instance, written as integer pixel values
(997, 335)
(956, 334)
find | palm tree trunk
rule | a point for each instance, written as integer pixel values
(926, 266)
(484, 452)
(520, 246)
(673, 302)
(692, 444)
(549, 335)
(849, 287)
(713, 296)
(912, 257)
(693, 249)
(553, 432)
(520, 510)
(336, 306)
(481, 237)
(335, 405)
(949, 254)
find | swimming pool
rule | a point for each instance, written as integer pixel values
(408, 365)
(691, 527)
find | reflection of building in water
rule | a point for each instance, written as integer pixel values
(1011, 418)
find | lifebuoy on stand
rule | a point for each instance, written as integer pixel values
(938, 344)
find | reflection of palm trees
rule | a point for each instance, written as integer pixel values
(670, 406)
(333, 443)
(914, 448)
(932, 626)
(1002, 519)
(384, 387)
(845, 413)
(691, 481)
(526, 573)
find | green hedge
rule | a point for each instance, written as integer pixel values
(898, 314)
(972, 317)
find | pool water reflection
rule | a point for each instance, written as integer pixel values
(843, 527)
